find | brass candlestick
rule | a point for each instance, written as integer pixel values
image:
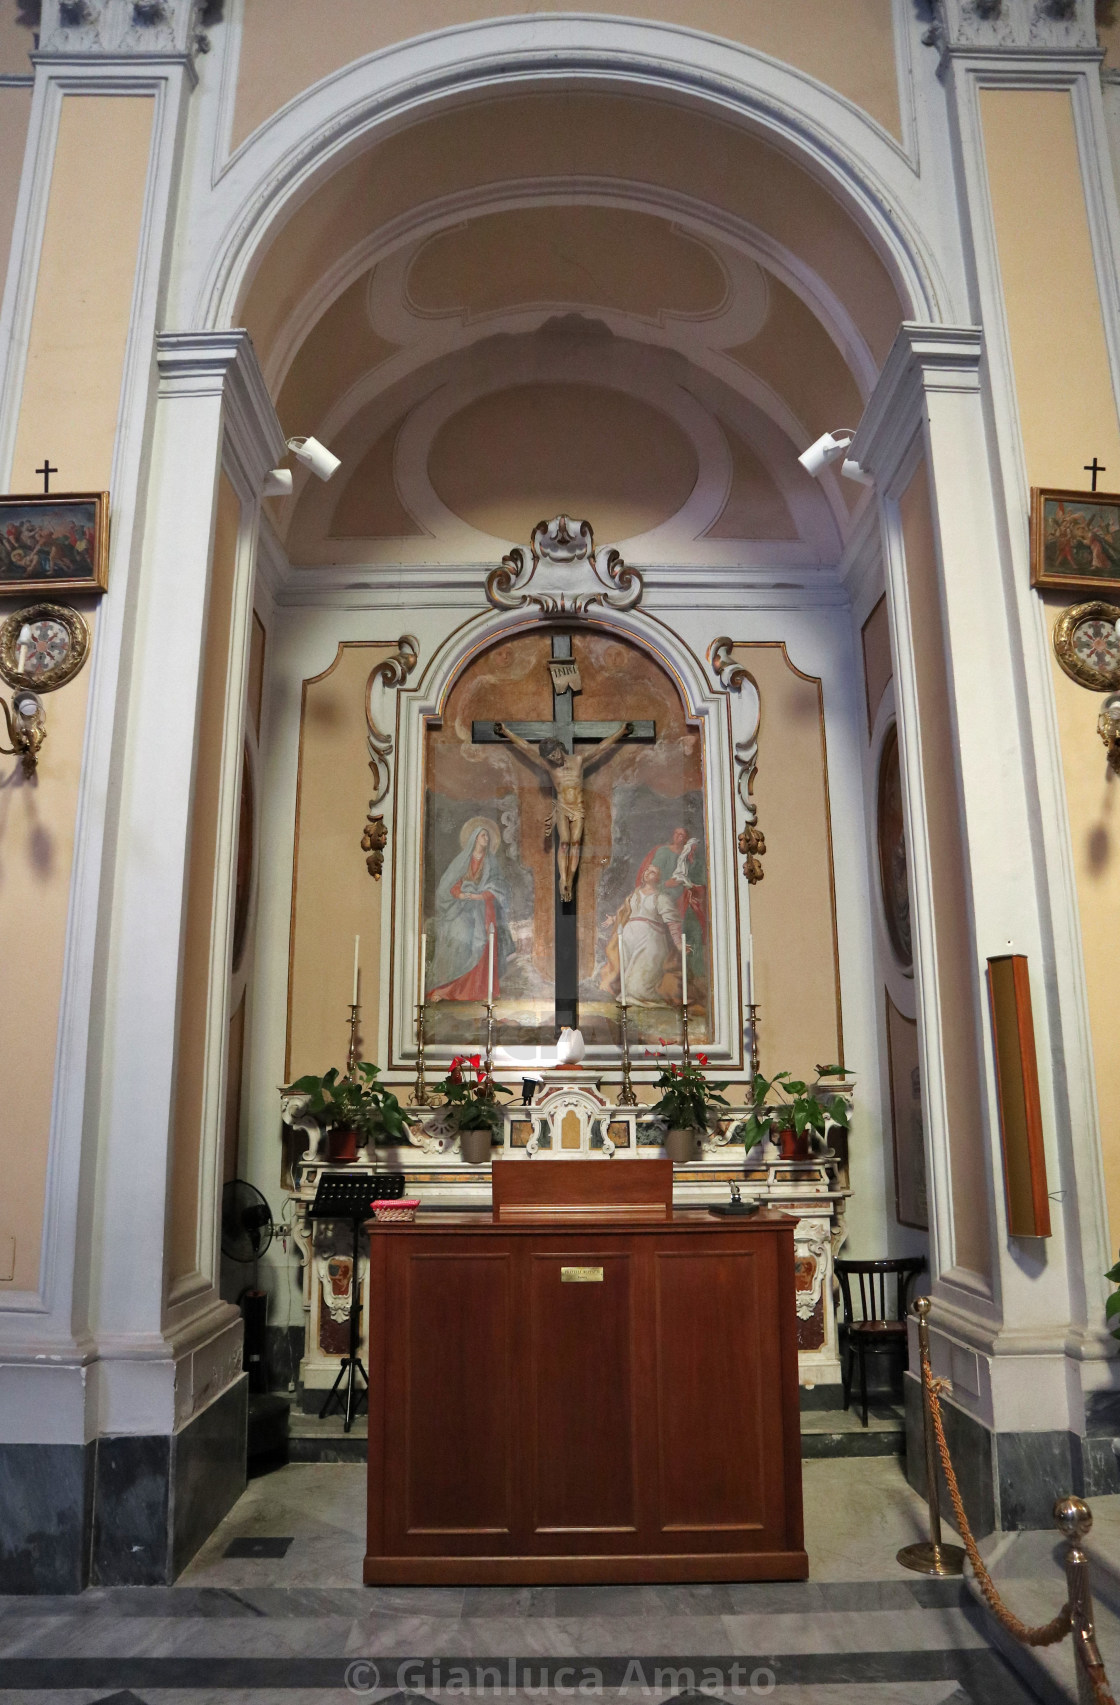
(420, 1096)
(352, 1051)
(490, 1041)
(752, 1019)
(684, 1030)
(626, 1096)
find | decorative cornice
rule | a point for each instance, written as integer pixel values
(565, 572)
(922, 359)
(126, 27)
(1013, 26)
(224, 364)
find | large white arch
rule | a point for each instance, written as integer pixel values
(238, 203)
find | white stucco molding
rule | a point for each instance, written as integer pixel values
(1002, 26)
(231, 220)
(129, 28)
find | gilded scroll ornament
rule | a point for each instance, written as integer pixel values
(374, 838)
(385, 677)
(733, 677)
(563, 574)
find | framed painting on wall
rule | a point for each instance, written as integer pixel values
(891, 836)
(904, 1071)
(54, 544)
(1075, 539)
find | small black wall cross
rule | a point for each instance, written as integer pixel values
(46, 470)
(1094, 467)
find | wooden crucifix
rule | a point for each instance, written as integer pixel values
(551, 747)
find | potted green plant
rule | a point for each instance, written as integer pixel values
(352, 1111)
(800, 1110)
(469, 1091)
(688, 1104)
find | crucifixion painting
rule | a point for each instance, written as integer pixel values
(563, 771)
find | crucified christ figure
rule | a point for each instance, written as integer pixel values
(564, 770)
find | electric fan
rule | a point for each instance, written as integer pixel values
(246, 1234)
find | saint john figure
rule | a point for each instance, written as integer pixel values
(472, 895)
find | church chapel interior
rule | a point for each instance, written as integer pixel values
(559, 814)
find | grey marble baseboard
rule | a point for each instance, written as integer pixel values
(45, 1500)
(1007, 1480)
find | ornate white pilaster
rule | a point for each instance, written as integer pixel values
(212, 411)
(1003, 1334)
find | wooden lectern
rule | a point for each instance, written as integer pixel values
(573, 1391)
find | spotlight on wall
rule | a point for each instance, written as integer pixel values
(278, 483)
(829, 448)
(315, 456)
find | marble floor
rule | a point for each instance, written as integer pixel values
(297, 1628)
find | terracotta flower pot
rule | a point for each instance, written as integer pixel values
(342, 1145)
(682, 1144)
(475, 1146)
(792, 1145)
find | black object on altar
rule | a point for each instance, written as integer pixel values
(350, 1196)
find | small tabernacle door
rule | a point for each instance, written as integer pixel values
(540, 1191)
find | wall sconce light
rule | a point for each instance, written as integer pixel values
(41, 647)
(27, 729)
(1108, 727)
(829, 448)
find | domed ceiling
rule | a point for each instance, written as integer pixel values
(586, 303)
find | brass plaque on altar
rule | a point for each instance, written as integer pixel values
(581, 1275)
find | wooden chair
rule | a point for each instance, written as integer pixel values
(881, 1321)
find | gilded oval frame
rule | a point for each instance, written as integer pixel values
(1098, 680)
(59, 673)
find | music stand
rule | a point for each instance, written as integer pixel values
(350, 1196)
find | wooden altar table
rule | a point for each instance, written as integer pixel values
(583, 1400)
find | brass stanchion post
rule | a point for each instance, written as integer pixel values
(1075, 1520)
(930, 1557)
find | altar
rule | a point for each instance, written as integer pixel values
(572, 1120)
(565, 823)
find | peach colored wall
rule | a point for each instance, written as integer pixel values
(196, 992)
(1066, 406)
(16, 44)
(793, 909)
(334, 898)
(83, 300)
(15, 112)
(69, 407)
(1067, 411)
(286, 46)
(953, 947)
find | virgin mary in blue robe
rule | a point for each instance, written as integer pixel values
(472, 895)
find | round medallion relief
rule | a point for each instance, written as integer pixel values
(1087, 645)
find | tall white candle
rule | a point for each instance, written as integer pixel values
(423, 963)
(621, 971)
(750, 970)
(684, 970)
(354, 1002)
(490, 968)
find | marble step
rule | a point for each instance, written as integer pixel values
(824, 1433)
(1028, 1569)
